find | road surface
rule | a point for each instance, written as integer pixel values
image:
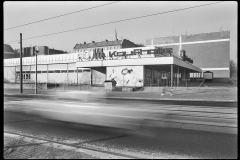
(144, 142)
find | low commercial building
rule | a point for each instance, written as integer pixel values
(131, 67)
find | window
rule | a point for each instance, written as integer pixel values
(32, 71)
(86, 70)
(18, 77)
(63, 71)
(44, 71)
(70, 71)
(50, 72)
(38, 71)
(57, 71)
(79, 70)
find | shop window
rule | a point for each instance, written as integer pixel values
(87, 70)
(57, 71)
(70, 71)
(63, 71)
(79, 71)
(18, 77)
(27, 76)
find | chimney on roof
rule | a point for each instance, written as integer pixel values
(106, 40)
(84, 42)
(93, 41)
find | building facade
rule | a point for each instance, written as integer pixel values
(131, 67)
(209, 51)
(43, 50)
(59, 68)
(8, 52)
(104, 45)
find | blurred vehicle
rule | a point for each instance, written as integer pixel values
(87, 111)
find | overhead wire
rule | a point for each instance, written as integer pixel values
(117, 21)
(59, 16)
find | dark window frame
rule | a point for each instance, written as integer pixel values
(64, 71)
(71, 71)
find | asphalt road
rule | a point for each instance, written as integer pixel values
(145, 142)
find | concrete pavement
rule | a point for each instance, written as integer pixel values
(211, 93)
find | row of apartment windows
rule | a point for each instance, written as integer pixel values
(91, 49)
(57, 71)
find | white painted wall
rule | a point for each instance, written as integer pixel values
(126, 76)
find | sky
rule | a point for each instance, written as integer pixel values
(205, 19)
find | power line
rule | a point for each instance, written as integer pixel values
(59, 16)
(116, 21)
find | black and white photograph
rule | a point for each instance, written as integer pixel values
(120, 80)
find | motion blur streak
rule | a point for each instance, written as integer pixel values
(101, 113)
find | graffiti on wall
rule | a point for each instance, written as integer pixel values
(95, 54)
(100, 54)
(126, 75)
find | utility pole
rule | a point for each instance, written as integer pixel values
(21, 86)
(36, 51)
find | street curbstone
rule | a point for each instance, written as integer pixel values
(209, 128)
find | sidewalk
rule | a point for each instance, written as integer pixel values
(211, 94)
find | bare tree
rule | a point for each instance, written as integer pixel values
(233, 68)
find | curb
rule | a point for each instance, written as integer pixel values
(169, 99)
(192, 126)
(131, 98)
